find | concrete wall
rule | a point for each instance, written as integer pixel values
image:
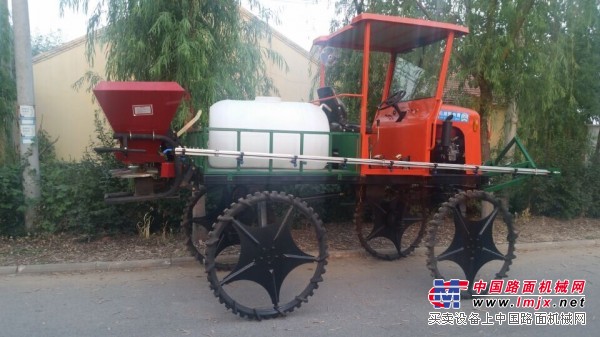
(68, 114)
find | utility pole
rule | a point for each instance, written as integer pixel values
(26, 112)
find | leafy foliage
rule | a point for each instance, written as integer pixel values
(558, 96)
(12, 200)
(41, 43)
(557, 196)
(205, 46)
(8, 90)
(592, 187)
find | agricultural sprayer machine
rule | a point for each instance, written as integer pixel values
(265, 252)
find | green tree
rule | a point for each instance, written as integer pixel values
(8, 90)
(556, 129)
(41, 43)
(586, 49)
(208, 47)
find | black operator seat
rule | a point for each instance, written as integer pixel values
(333, 108)
(335, 111)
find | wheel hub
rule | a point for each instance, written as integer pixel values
(269, 256)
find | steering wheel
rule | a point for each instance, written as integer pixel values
(392, 101)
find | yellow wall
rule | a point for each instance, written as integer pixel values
(68, 114)
(497, 127)
(295, 84)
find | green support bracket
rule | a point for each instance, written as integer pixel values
(516, 141)
(528, 163)
(503, 185)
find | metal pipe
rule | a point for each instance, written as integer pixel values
(359, 161)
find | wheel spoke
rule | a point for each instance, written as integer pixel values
(445, 255)
(489, 220)
(378, 207)
(223, 243)
(459, 220)
(274, 292)
(284, 222)
(494, 252)
(308, 258)
(242, 229)
(262, 214)
(376, 232)
(236, 273)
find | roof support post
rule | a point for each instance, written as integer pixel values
(389, 76)
(364, 93)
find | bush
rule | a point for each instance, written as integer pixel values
(574, 193)
(72, 194)
(592, 187)
(72, 197)
(73, 201)
(12, 201)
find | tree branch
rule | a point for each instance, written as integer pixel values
(359, 7)
(423, 9)
(514, 34)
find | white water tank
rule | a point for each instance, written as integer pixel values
(267, 113)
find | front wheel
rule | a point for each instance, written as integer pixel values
(474, 231)
(279, 259)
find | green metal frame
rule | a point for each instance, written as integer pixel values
(346, 142)
(528, 163)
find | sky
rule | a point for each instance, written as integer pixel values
(300, 20)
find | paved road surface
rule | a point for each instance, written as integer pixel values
(360, 297)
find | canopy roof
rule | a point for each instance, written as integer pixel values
(389, 33)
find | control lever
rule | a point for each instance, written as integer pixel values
(189, 124)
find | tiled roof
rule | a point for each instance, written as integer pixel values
(455, 93)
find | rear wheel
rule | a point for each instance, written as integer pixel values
(390, 225)
(200, 214)
(196, 226)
